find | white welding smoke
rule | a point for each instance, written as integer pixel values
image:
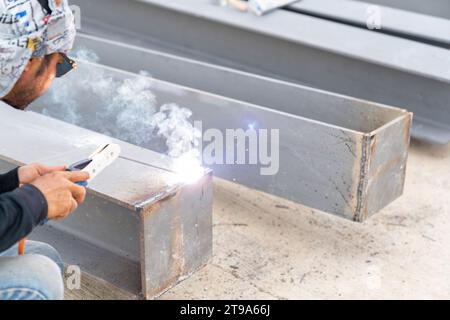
(172, 123)
(126, 109)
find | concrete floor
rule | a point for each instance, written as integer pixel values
(269, 248)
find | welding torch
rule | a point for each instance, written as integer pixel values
(21, 248)
(94, 165)
(75, 167)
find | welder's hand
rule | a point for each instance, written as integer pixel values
(29, 173)
(62, 194)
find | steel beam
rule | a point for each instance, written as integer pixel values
(400, 23)
(336, 154)
(139, 229)
(292, 47)
(438, 8)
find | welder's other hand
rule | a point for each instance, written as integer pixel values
(62, 194)
(31, 172)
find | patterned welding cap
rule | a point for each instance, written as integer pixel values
(29, 29)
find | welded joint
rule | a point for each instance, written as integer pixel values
(368, 142)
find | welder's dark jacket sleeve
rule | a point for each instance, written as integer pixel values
(21, 209)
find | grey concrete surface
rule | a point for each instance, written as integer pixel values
(268, 248)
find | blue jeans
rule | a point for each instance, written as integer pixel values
(35, 276)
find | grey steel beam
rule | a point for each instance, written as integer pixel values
(401, 23)
(336, 154)
(438, 8)
(139, 229)
(206, 77)
(292, 47)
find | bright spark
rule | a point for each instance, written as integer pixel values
(188, 168)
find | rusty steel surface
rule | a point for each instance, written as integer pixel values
(133, 222)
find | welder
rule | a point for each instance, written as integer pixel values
(35, 38)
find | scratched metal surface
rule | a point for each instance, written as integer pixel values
(175, 255)
(322, 144)
(382, 167)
